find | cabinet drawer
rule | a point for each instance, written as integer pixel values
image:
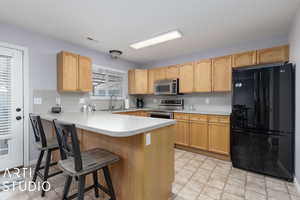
(198, 117)
(181, 116)
(218, 119)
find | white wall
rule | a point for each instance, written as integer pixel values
(42, 60)
(294, 40)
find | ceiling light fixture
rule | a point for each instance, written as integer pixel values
(157, 40)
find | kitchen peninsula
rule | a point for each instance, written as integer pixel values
(145, 145)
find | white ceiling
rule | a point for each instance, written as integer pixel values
(205, 24)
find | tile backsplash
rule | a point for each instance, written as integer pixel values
(70, 102)
(200, 101)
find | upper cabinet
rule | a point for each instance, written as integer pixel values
(74, 73)
(272, 55)
(138, 81)
(172, 72)
(85, 74)
(186, 78)
(151, 74)
(159, 74)
(202, 76)
(221, 74)
(244, 59)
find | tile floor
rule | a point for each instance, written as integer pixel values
(197, 178)
(200, 177)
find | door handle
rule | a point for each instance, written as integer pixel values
(18, 118)
(18, 109)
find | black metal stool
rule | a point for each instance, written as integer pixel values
(79, 164)
(43, 145)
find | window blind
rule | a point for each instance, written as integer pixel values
(5, 95)
(107, 82)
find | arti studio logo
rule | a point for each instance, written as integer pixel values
(14, 179)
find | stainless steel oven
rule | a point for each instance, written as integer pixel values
(166, 87)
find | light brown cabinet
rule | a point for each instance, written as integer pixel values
(202, 76)
(182, 132)
(186, 76)
(138, 81)
(151, 76)
(85, 74)
(159, 74)
(74, 73)
(199, 132)
(244, 59)
(172, 72)
(218, 131)
(221, 74)
(272, 55)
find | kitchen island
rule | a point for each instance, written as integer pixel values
(145, 146)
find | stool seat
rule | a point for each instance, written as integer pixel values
(92, 160)
(51, 144)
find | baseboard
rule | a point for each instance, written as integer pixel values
(297, 185)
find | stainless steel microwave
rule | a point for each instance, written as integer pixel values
(166, 87)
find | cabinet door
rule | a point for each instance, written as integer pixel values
(273, 55)
(159, 73)
(151, 74)
(202, 76)
(221, 74)
(186, 78)
(182, 133)
(172, 72)
(67, 72)
(141, 81)
(85, 74)
(219, 138)
(244, 59)
(199, 135)
(131, 82)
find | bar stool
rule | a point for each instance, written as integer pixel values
(79, 164)
(43, 145)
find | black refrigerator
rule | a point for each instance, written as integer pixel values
(262, 120)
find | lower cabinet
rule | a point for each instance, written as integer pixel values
(209, 135)
(219, 138)
(199, 135)
(182, 132)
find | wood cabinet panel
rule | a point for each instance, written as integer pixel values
(159, 74)
(141, 81)
(202, 76)
(198, 117)
(186, 78)
(85, 74)
(199, 135)
(181, 116)
(221, 74)
(219, 138)
(272, 55)
(182, 133)
(131, 82)
(138, 81)
(244, 59)
(67, 72)
(172, 72)
(151, 77)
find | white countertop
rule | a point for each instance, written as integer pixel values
(204, 112)
(113, 125)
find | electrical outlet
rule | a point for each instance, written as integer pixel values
(207, 100)
(81, 101)
(57, 100)
(148, 139)
(37, 100)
